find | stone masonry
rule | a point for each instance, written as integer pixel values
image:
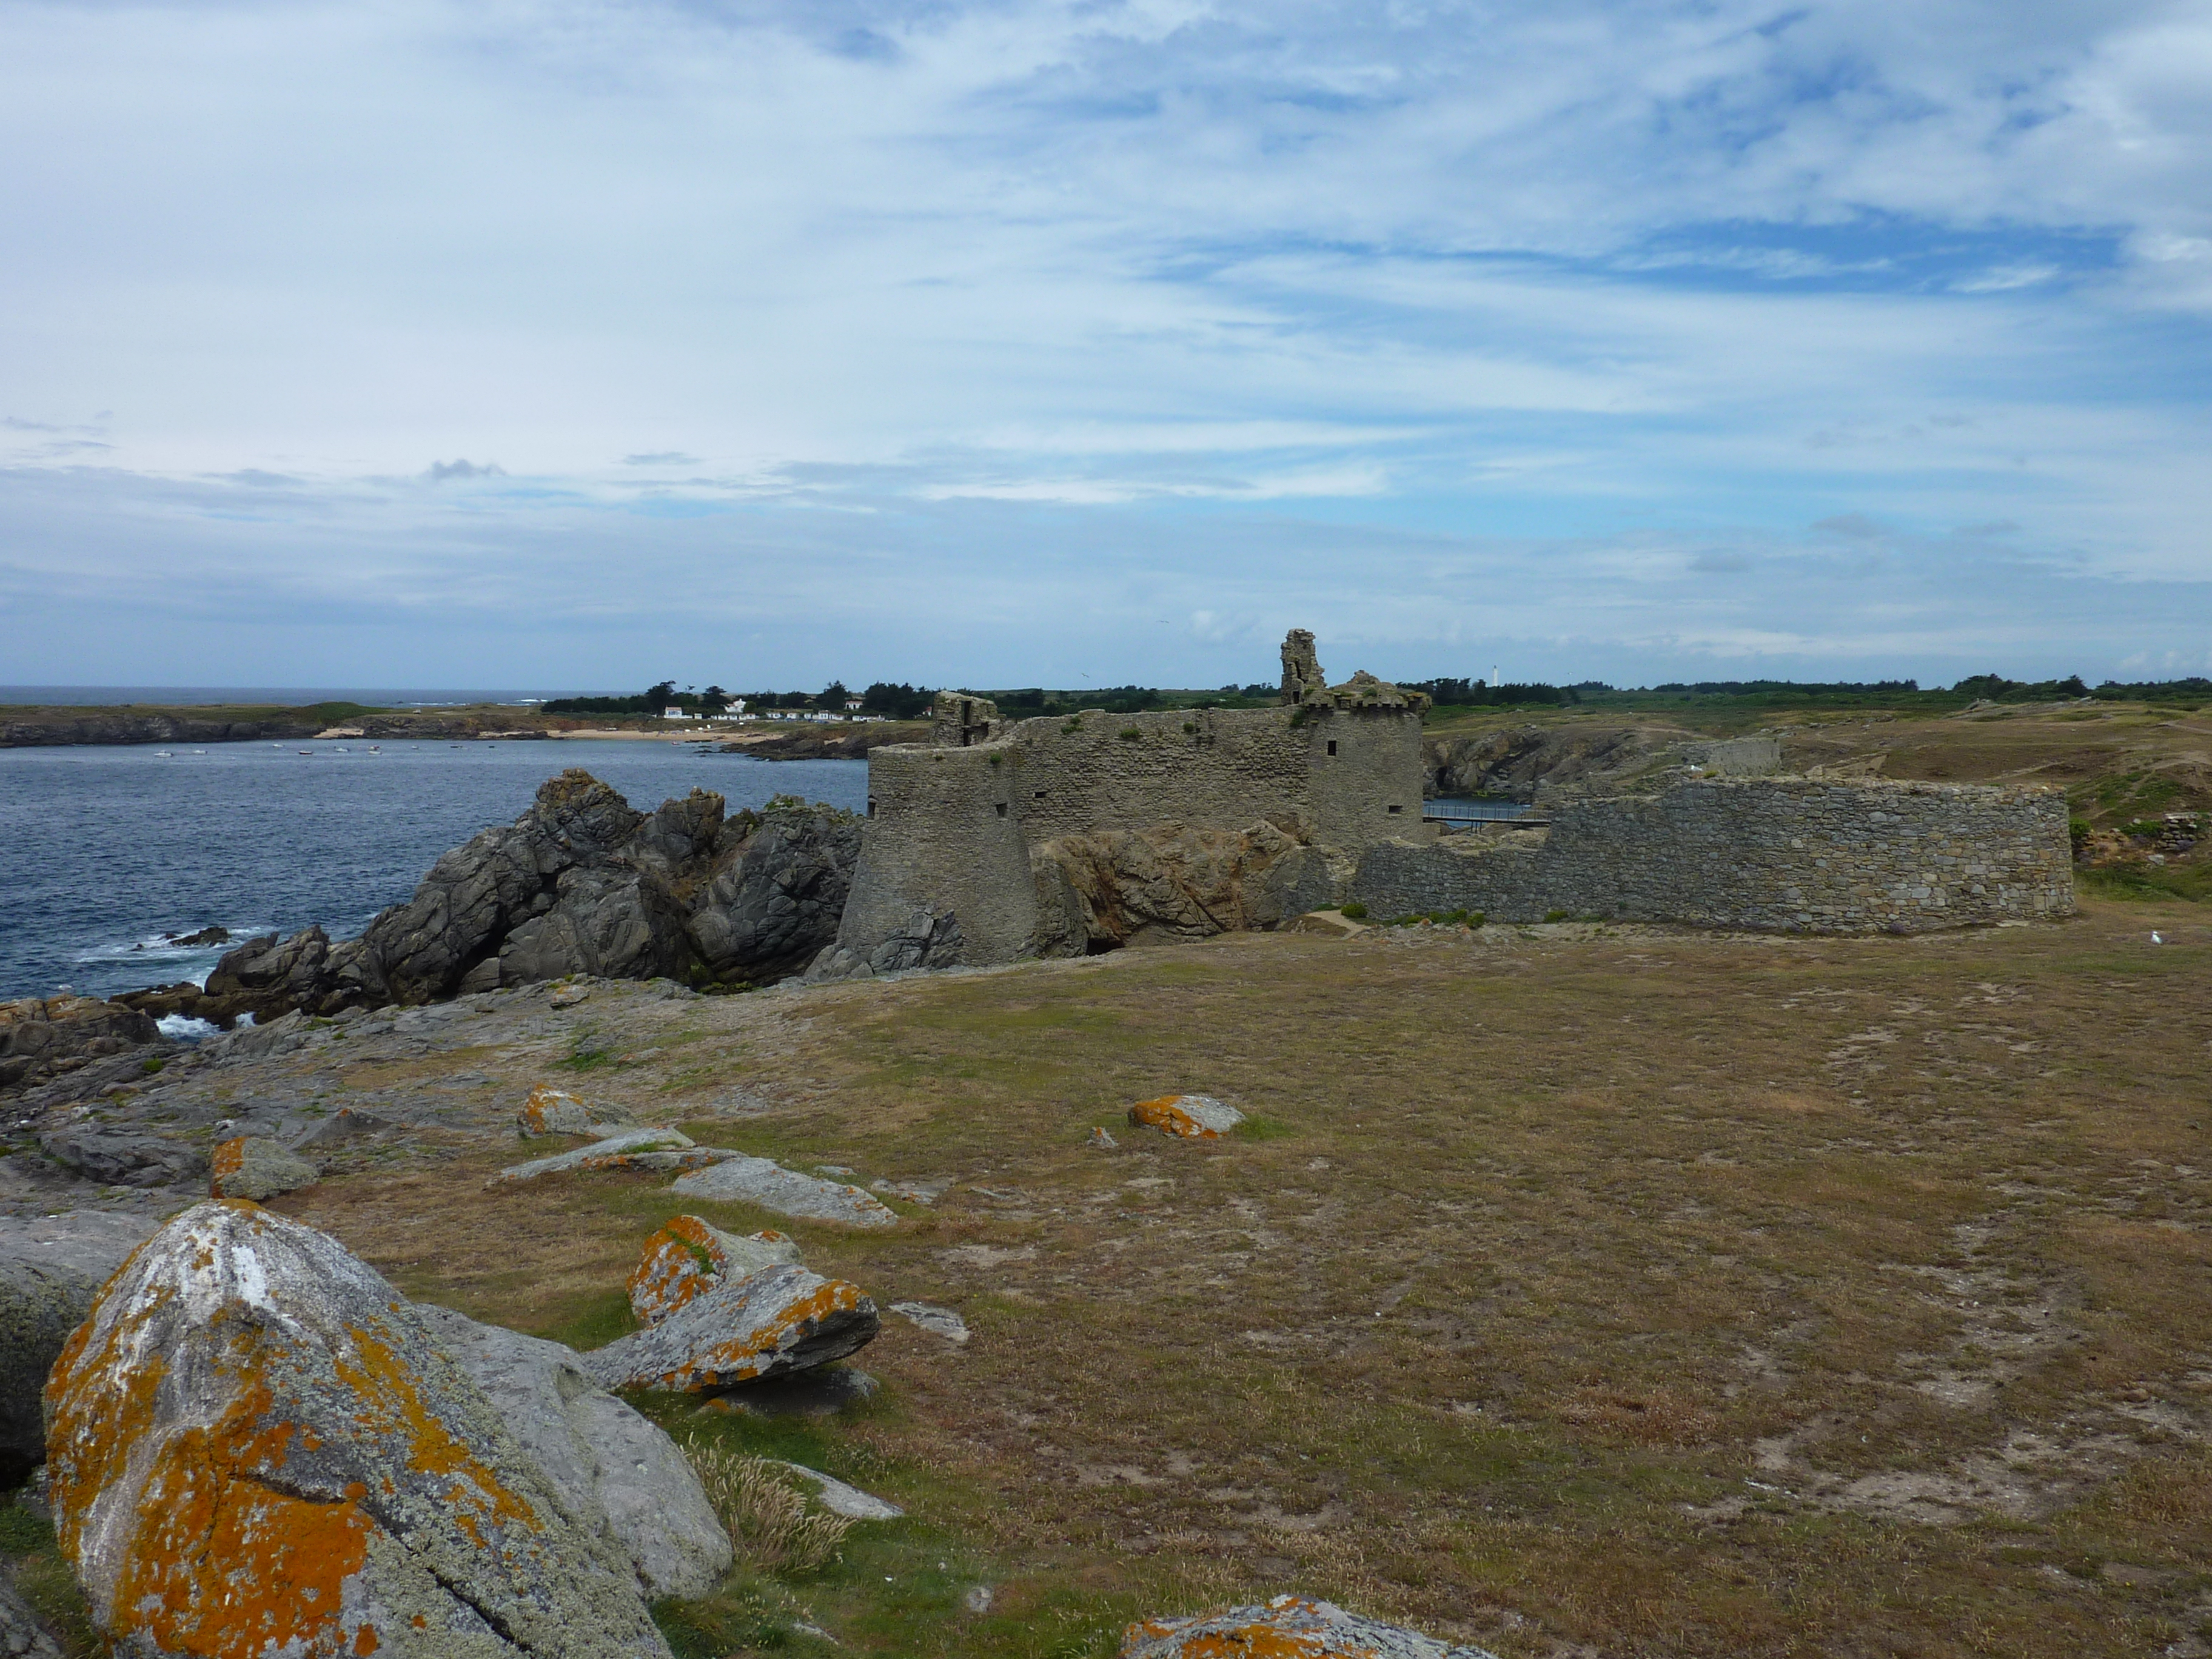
(969, 842)
(1775, 854)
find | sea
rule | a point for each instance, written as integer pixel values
(107, 851)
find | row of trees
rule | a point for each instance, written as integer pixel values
(895, 702)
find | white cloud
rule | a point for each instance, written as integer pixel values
(1632, 281)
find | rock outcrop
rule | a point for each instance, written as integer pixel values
(619, 1477)
(742, 1329)
(579, 883)
(42, 1037)
(1291, 1626)
(1174, 881)
(51, 1270)
(257, 1447)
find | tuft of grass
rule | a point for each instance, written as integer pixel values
(1129, 734)
(1354, 911)
(1257, 1125)
(2134, 879)
(150, 1067)
(771, 1522)
(587, 1052)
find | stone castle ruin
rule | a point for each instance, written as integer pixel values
(999, 840)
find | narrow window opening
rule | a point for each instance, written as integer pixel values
(1397, 809)
(1040, 794)
(872, 806)
(1002, 809)
(1332, 750)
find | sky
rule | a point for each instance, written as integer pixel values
(759, 342)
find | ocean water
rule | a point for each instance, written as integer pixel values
(104, 850)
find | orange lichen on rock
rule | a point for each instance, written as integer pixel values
(740, 1329)
(1194, 1117)
(1288, 1627)
(256, 1448)
(688, 1256)
(227, 1158)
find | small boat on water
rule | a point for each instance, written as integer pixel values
(306, 751)
(163, 754)
(376, 748)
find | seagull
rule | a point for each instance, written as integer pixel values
(2154, 938)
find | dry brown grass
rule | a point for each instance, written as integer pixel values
(770, 1523)
(1589, 1290)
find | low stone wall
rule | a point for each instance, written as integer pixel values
(1776, 855)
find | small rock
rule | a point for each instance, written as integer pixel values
(851, 1502)
(255, 1167)
(1104, 1142)
(688, 1256)
(838, 1169)
(977, 1599)
(938, 1321)
(1193, 1117)
(632, 1149)
(550, 1111)
(568, 996)
(781, 1319)
(762, 1181)
(1289, 1625)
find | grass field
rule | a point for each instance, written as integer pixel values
(1574, 1290)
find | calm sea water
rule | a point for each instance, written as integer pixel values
(105, 849)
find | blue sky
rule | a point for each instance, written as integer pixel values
(577, 344)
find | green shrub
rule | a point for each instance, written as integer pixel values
(1354, 911)
(150, 1067)
(2078, 832)
(1130, 734)
(1558, 915)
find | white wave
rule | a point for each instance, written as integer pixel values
(184, 1027)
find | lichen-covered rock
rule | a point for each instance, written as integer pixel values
(763, 1182)
(257, 1448)
(1194, 1117)
(688, 1256)
(552, 1111)
(1288, 1627)
(780, 1320)
(617, 1474)
(630, 1149)
(1177, 881)
(123, 1157)
(256, 1166)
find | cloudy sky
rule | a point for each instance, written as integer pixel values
(575, 345)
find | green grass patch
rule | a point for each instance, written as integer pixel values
(2137, 880)
(1257, 1125)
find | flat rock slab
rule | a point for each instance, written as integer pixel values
(1193, 1117)
(618, 1476)
(938, 1321)
(552, 1111)
(256, 1166)
(763, 1182)
(689, 1255)
(344, 1125)
(779, 1320)
(834, 1496)
(1288, 1627)
(256, 1446)
(632, 1149)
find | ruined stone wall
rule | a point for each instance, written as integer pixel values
(952, 828)
(1777, 854)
